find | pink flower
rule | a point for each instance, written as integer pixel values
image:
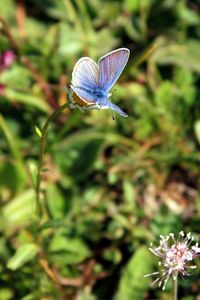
(175, 256)
(6, 59)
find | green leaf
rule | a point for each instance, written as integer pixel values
(38, 131)
(132, 284)
(75, 38)
(17, 77)
(164, 97)
(33, 170)
(23, 254)
(73, 249)
(75, 163)
(187, 16)
(56, 202)
(129, 194)
(28, 99)
(29, 297)
(185, 82)
(6, 294)
(12, 177)
(12, 141)
(8, 9)
(19, 211)
(197, 130)
(185, 55)
(53, 224)
(83, 295)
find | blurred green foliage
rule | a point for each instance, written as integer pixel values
(111, 187)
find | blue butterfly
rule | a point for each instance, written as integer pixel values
(92, 82)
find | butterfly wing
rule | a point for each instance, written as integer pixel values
(86, 95)
(114, 107)
(75, 99)
(111, 66)
(85, 77)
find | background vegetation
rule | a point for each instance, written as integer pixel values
(111, 187)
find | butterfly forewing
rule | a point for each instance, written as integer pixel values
(85, 74)
(111, 67)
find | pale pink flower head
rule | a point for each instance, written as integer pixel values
(175, 256)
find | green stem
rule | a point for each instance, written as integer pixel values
(175, 286)
(51, 118)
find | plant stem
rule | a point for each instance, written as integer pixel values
(175, 286)
(51, 118)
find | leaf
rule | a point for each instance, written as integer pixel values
(75, 38)
(14, 146)
(197, 130)
(75, 163)
(8, 9)
(31, 296)
(185, 82)
(19, 211)
(57, 9)
(102, 36)
(187, 16)
(23, 254)
(17, 77)
(165, 97)
(74, 250)
(132, 284)
(38, 131)
(53, 224)
(55, 202)
(83, 295)
(33, 170)
(17, 96)
(185, 55)
(12, 177)
(129, 195)
(12, 140)
(6, 294)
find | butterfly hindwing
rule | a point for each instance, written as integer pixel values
(84, 94)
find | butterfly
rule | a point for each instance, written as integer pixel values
(92, 82)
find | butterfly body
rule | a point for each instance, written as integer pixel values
(91, 82)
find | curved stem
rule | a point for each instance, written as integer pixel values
(51, 118)
(175, 286)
